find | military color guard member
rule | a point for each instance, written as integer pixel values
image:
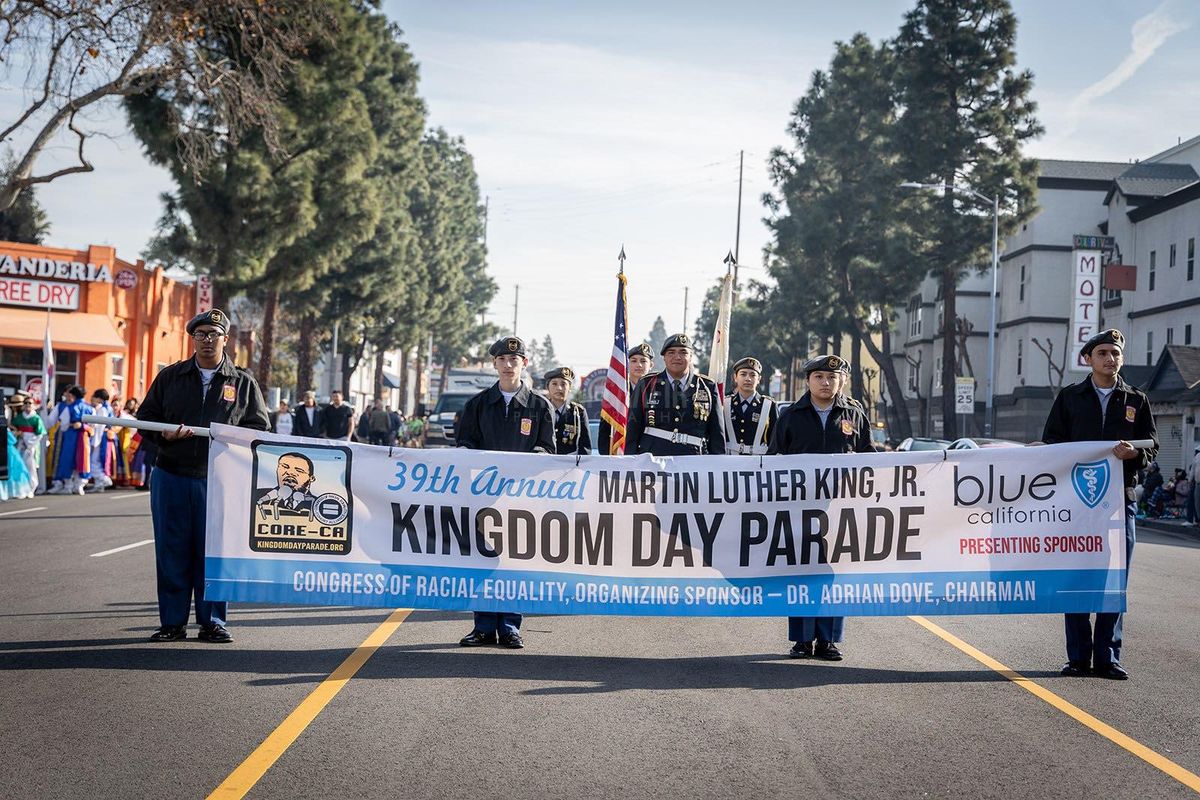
(1103, 407)
(640, 360)
(749, 416)
(675, 412)
(822, 421)
(571, 434)
(508, 417)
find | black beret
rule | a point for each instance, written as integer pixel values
(214, 316)
(678, 340)
(825, 364)
(1110, 336)
(642, 349)
(508, 346)
(748, 362)
(566, 373)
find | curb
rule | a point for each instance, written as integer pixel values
(1178, 529)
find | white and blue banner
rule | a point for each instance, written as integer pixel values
(995, 531)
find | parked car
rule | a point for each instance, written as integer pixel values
(969, 443)
(922, 443)
(439, 427)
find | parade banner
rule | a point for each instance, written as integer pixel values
(998, 530)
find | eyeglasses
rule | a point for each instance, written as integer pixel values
(206, 336)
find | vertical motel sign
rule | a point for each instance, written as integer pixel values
(1086, 258)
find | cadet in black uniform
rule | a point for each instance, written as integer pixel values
(749, 416)
(640, 360)
(675, 412)
(1103, 407)
(203, 389)
(571, 434)
(508, 417)
(822, 421)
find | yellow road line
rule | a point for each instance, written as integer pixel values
(1188, 779)
(248, 773)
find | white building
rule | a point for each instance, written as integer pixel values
(1152, 210)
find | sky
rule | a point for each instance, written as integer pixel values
(601, 125)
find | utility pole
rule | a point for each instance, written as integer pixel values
(516, 302)
(486, 198)
(737, 236)
(685, 309)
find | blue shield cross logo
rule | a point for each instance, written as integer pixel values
(1091, 481)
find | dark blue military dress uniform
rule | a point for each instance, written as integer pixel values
(571, 433)
(669, 417)
(799, 430)
(179, 486)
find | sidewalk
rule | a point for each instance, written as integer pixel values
(1179, 527)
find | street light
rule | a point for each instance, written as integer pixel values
(989, 409)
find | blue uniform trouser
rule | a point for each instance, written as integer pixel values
(1101, 646)
(497, 622)
(823, 629)
(178, 506)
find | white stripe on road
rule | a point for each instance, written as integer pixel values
(127, 495)
(22, 511)
(123, 547)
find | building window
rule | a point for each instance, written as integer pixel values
(1021, 292)
(1153, 264)
(1170, 335)
(914, 317)
(937, 373)
(1191, 262)
(1171, 256)
(1150, 347)
(118, 372)
(1187, 334)
(941, 318)
(1020, 356)
(914, 377)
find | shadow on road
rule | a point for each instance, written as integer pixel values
(569, 674)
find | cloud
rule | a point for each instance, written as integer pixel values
(1149, 34)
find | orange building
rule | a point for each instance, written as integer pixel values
(113, 324)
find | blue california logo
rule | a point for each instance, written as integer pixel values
(1091, 482)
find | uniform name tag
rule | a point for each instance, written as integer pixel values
(1130, 413)
(228, 393)
(526, 426)
(847, 427)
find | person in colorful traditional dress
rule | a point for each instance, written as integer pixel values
(19, 485)
(130, 469)
(104, 444)
(29, 430)
(72, 452)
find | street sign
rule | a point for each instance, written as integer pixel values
(964, 395)
(1085, 242)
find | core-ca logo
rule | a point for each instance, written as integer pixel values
(301, 499)
(1091, 482)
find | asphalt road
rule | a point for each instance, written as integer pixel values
(594, 707)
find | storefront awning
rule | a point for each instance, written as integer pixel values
(391, 381)
(88, 333)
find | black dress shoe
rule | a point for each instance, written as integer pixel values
(1076, 669)
(169, 633)
(800, 650)
(1114, 672)
(216, 634)
(828, 651)
(512, 641)
(478, 639)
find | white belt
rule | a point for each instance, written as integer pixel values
(745, 449)
(675, 437)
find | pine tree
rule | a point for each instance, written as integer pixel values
(25, 220)
(967, 114)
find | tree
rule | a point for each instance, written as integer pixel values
(749, 331)
(843, 239)
(224, 61)
(656, 339)
(966, 114)
(549, 359)
(25, 220)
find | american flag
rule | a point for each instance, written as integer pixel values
(615, 406)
